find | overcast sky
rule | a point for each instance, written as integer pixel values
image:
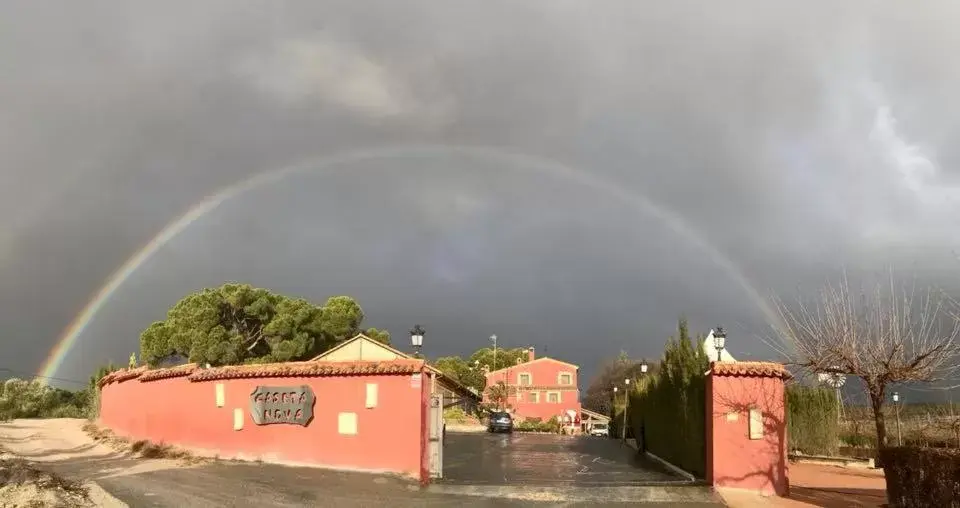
(595, 169)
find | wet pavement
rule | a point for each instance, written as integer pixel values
(547, 460)
(62, 446)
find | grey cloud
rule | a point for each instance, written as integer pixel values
(297, 71)
(796, 138)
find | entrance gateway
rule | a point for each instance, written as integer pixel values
(436, 435)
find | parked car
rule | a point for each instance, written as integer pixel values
(500, 421)
(600, 429)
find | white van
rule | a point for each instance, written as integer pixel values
(599, 429)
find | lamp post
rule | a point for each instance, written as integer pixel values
(896, 405)
(416, 339)
(626, 406)
(642, 438)
(719, 339)
(613, 407)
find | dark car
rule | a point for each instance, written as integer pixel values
(500, 421)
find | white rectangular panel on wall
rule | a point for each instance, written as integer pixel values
(371, 395)
(347, 423)
(237, 419)
(220, 395)
(756, 424)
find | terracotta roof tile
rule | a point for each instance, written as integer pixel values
(178, 371)
(751, 369)
(309, 369)
(121, 375)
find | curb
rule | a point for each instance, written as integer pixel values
(671, 467)
(632, 443)
(848, 462)
(665, 493)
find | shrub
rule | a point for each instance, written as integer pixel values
(813, 422)
(857, 440)
(67, 412)
(921, 477)
(455, 414)
(537, 425)
(671, 405)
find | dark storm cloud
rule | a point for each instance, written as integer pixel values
(797, 138)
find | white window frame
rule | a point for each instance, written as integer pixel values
(534, 398)
(559, 397)
(560, 378)
(520, 379)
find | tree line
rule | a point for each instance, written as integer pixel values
(21, 398)
(228, 325)
(240, 324)
(890, 337)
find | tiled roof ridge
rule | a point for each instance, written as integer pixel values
(751, 369)
(309, 369)
(169, 372)
(124, 374)
(287, 369)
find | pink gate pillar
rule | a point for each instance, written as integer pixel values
(747, 427)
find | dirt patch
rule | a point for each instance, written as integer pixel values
(150, 450)
(143, 448)
(106, 437)
(23, 485)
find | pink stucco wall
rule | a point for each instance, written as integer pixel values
(733, 458)
(390, 437)
(544, 375)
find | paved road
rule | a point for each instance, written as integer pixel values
(260, 485)
(547, 459)
(565, 469)
(62, 446)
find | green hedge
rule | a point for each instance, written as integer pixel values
(537, 425)
(670, 406)
(922, 477)
(813, 423)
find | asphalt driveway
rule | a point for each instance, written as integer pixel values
(547, 459)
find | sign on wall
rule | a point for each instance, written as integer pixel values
(282, 404)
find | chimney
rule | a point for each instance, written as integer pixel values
(530, 355)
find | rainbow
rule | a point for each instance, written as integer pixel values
(68, 338)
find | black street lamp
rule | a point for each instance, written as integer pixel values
(896, 402)
(641, 439)
(416, 339)
(719, 339)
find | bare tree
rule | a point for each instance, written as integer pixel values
(890, 337)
